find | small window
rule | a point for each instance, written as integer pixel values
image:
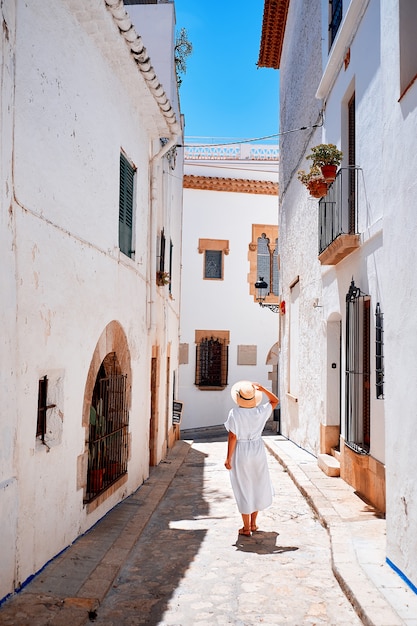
(126, 195)
(335, 15)
(213, 264)
(171, 250)
(214, 251)
(212, 359)
(162, 243)
(42, 408)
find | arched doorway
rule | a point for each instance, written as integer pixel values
(273, 360)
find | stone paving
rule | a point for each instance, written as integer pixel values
(170, 555)
(190, 567)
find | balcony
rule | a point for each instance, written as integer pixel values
(338, 235)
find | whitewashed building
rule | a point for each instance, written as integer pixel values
(230, 240)
(348, 355)
(90, 234)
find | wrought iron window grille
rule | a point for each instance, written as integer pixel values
(43, 407)
(357, 373)
(108, 434)
(379, 352)
(212, 357)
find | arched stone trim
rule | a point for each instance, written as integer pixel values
(112, 340)
(258, 230)
(273, 354)
(112, 350)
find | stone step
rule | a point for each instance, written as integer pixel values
(328, 464)
(336, 454)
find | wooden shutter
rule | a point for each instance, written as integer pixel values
(127, 174)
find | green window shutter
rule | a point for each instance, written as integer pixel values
(127, 177)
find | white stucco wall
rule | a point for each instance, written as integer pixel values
(383, 265)
(302, 408)
(398, 175)
(72, 97)
(223, 304)
(8, 360)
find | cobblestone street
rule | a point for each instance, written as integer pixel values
(190, 567)
(170, 554)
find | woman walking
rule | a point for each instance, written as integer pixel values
(246, 456)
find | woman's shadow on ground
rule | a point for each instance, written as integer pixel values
(262, 542)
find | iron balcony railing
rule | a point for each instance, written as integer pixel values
(338, 209)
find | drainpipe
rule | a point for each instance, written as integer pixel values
(155, 163)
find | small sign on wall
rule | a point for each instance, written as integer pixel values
(246, 355)
(177, 409)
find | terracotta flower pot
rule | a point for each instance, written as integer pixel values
(96, 480)
(329, 172)
(317, 188)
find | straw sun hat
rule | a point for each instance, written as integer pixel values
(245, 394)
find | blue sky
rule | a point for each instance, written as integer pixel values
(223, 94)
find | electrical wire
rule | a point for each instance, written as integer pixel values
(256, 139)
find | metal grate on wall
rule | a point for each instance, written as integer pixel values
(358, 401)
(108, 435)
(211, 363)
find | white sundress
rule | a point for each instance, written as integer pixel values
(249, 475)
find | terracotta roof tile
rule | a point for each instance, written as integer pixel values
(273, 29)
(237, 185)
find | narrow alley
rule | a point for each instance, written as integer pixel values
(171, 555)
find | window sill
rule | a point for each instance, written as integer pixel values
(207, 388)
(291, 397)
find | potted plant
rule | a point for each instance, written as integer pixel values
(327, 157)
(314, 181)
(163, 278)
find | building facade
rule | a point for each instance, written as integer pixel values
(230, 240)
(347, 77)
(90, 230)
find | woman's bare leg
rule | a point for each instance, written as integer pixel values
(246, 524)
(253, 517)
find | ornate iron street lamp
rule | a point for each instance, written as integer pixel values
(261, 288)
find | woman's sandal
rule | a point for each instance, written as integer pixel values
(243, 531)
(254, 528)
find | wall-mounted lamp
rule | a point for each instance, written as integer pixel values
(261, 288)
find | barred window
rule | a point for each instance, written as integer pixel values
(379, 352)
(108, 432)
(358, 399)
(212, 356)
(43, 406)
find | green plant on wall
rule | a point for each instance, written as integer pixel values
(182, 50)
